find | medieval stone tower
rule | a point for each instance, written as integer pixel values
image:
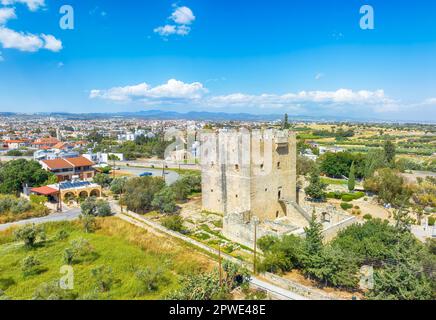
(248, 173)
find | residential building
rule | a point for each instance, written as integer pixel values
(68, 168)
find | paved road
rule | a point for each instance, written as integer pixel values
(69, 215)
(170, 176)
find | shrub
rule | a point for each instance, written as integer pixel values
(52, 291)
(30, 234)
(103, 278)
(38, 199)
(62, 235)
(367, 217)
(347, 198)
(174, 223)
(30, 265)
(149, 280)
(346, 206)
(431, 220)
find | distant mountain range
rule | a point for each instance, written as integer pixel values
(191, 115)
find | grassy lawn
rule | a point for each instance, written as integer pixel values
(124, 248)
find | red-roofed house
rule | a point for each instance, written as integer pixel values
(67, 168)
(15, 144)
(45, 143)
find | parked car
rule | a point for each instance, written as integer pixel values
(146, 174)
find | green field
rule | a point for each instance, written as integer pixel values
(117, 245)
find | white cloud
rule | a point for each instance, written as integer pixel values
(176, 92)
(338, 97)
(11, 39)
(33, 5)
(168, 30)
(182, 15)
(7, 14)
(173, 91)
(28, 42)
(51, 43)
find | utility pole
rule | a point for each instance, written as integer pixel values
(60, 197)
(219, 263)
(255, 245)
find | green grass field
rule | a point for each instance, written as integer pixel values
(124, 248)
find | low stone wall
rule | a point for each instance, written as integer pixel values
(297, 288)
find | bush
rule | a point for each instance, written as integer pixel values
(38, 199)
(347, 198)
(174, 223)
(62, 235)
(346, 206)
(93, 207)
(431, 220)
(30, 234)
(30, 265)
(367, 217)
(103, 277)
(149, 280)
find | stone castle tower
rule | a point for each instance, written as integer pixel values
(248, 173)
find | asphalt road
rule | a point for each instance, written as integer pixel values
(170, 176)
(68, 215)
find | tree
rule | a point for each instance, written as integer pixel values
(351, 178)
(316, 188)
(96, 208)
(402, 276)
(140, 192)
(304, 165)
(314, 237)
(118, 185)
(374, 160)
(164, 201)
(30, 234)
(389, 186)
(88, 222)
(389, 152)
(286, 124)
(102, 179)
(14, 174)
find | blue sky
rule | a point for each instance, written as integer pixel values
(301, 57)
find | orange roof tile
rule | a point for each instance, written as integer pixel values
(57, 164)
(46, 191)
(80, 161)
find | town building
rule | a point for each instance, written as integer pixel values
(68, 191)
(68, 168)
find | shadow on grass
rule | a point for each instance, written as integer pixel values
(5, 283)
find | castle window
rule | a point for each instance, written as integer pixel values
(266, 189)
(236, 166)
(261, 166)
(236, 196)
(212, 164)
(277, 214)
(278, 165)
(211, 190)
